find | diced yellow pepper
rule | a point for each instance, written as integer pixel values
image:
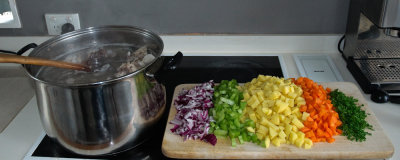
(301, 135)
(261, 97)
(265, 110)
(299, 142)
(246, 96)
(292, 137)
(252, 100)
(276, 142)
(287, 112)
(307, 146)
(260, 136)
(275, 119)
(262, 129)
(282, 117)
(295, 129)
(292, 89)
(259, 83)
(273, 104)
(272, 132)
(295, 110)
(260, 93)
(307, 143)
(253, 117)
(255, 104)
(291, 102)
(280, 106)
(287, 120)
(267, 142)
(275, 95)
(285, 89)
(298, 124)
(261, 77)
(304, 116)
(282, 134)
(265, 104)
(253, 81)
(288, 129)
(250, 129)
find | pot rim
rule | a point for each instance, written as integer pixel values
(61, 37)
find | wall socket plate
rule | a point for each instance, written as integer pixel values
(54, 22)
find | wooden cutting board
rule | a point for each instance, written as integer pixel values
(376, 146)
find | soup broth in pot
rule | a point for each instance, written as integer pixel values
(106, 63)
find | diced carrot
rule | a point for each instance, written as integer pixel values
(308, 124)
(314, 139)
(320, 133)
(323, 121)
(313, 113)
(330, 140)
(321, 139)
(329, 131)
(305, 129)
(332, 121)
(315, 126)
(303, 108)
(330, 106)
(316, 116)
(327, 135)
(326, 126)
(310, 134)
(339, 131)
(338, 123)
(328, 89)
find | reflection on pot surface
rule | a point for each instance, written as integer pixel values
(98, 120)
(151, 97)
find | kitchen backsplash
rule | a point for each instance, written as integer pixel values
(190, 16)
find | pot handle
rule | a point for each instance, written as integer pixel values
(172, 64)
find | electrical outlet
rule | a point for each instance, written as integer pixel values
(319, 68)
(54, 22)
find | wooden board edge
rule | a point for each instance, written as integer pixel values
(331, 155)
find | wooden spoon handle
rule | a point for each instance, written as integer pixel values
(5, 58)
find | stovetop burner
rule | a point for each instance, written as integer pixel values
(193, 69)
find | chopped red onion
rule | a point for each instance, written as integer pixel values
(192, 120)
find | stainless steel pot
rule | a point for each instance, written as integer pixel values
(102, 117)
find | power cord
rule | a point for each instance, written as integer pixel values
(22, 50)
(340, 43)
(5, 51)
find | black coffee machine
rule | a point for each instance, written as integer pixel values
(372, 47)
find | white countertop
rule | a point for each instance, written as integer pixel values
(24, 130)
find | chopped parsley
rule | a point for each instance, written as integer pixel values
(352, 116)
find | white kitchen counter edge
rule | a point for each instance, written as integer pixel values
(23, 131)
(220, 44)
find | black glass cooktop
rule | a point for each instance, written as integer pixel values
(192, 69)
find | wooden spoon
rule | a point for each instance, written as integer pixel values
(6, 58)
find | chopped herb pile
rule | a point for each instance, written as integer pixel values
(352, 116)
